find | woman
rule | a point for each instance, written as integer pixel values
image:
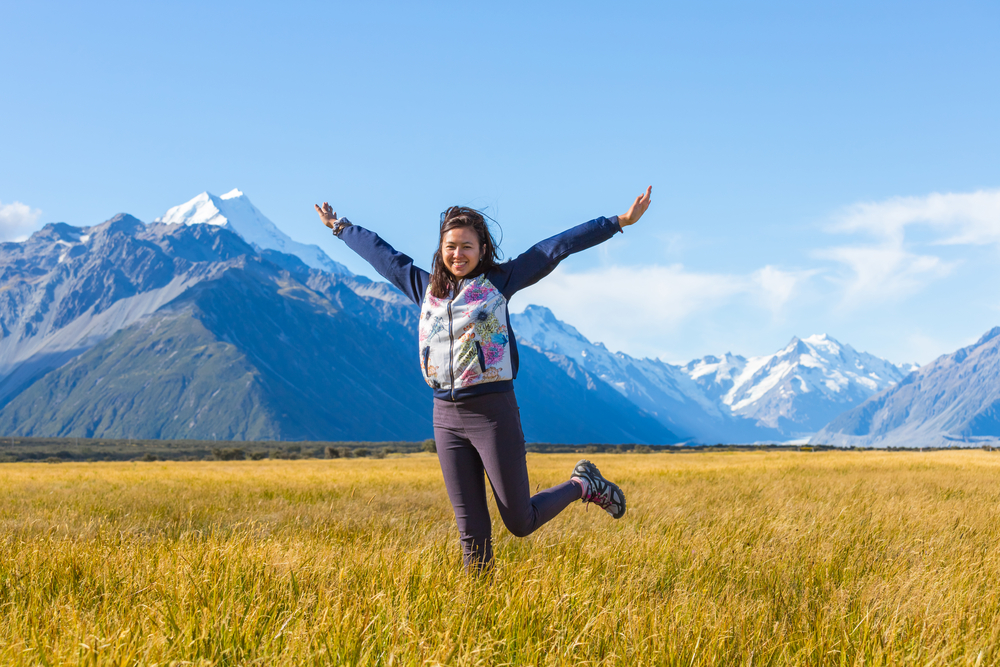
(468, 356)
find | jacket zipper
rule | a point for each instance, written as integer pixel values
(451, 351)
(480, 356)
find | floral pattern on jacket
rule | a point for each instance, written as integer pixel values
(464, 341)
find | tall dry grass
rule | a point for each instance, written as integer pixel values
(726, 558)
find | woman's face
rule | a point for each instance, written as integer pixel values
(461, 251)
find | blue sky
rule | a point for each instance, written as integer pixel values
(816, 167)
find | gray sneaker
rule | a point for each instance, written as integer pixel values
(602, 493)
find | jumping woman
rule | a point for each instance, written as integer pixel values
(469, 358)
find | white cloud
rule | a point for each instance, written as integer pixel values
(775, 287)
(968, 218)
(17, 221)
(630, 307)
(884, 272)
(889, 268)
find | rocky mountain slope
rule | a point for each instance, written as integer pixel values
(953, 400)
(67, 288)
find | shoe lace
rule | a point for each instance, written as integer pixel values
(599, 494)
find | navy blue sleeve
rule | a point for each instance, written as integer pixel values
(539, 261)
(394, 266)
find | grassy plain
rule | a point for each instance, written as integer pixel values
(723, 558)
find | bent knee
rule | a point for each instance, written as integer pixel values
(520, 528)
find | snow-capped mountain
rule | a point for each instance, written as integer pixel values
(234, 211)
(790, 394)
(798, 389)
(661, 389)
(953, 400)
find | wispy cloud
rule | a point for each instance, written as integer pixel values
(643, 302)
(890, 267)
(774, 287)
(883, 272)
(17, 221)
(966, 218)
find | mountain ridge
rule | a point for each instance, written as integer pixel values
(728, 398)
(954, 399)
(800, 388)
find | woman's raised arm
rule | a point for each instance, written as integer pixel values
(394, 266)
(539, 261)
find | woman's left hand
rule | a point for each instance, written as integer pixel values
(639, 207)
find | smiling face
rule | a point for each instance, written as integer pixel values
(461, 251)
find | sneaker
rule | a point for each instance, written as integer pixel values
(600, 491)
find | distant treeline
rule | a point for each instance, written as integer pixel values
(55, 450)
(15, 448)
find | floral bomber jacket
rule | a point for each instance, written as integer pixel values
(466, 343)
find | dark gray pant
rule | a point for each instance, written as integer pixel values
(484, 433)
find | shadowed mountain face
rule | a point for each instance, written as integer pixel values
(218, 363)
(954, 400)
(67, 288)
(547, 379)
(175, 331)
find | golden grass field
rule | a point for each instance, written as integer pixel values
(737, 558)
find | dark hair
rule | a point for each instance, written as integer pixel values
(443, 282)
